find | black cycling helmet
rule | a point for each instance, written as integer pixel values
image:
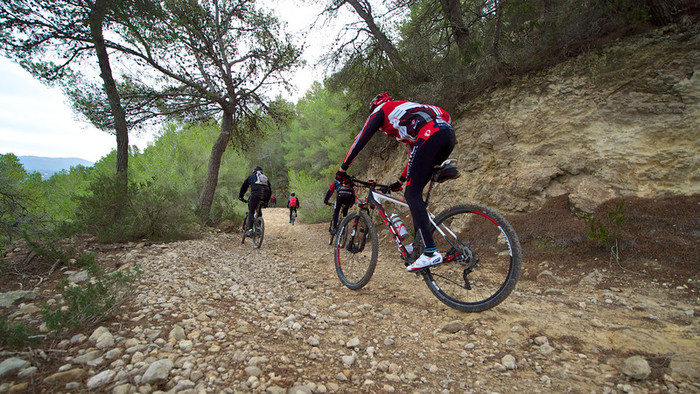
(377, 100)
(257, 168)
(292, 194)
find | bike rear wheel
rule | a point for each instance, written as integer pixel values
(244, 228)
(482, 258)
(356, 249)
(258, 232)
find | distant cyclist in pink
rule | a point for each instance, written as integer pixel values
(429, 137)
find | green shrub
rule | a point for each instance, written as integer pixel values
(147, 210)
(158, 212)
(94, 301)
(101, 209)
(14, 335)
(606, 232)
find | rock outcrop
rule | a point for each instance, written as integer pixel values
(620, 121)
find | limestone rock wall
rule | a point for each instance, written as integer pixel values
(620, 121)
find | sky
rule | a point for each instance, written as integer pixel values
(37, 120)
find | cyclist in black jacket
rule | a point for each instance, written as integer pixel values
(260, 192)
(344, 198)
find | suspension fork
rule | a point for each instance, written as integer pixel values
(350, 245)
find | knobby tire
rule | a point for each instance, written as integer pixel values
(464, 284)
(356, 254)
(258, 232)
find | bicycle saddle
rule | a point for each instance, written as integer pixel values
(446, 171)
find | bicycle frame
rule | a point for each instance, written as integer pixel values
(479, 275)
(374, 200)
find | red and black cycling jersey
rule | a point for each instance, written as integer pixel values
(402, 120)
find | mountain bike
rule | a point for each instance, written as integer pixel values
(258, 227)
(293, 217)
(481, 251)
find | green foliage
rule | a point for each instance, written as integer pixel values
(178, 162)
(15, 335)
(321, 133)
(458, 53)
(22, 210)
(311, 191)
(94, 301)
(153, 210)
(606, 232)
(60, 188)
(48, 249)
(102, 209)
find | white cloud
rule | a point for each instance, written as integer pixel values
(36, 120)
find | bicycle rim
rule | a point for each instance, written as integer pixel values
(482, 264)
(331, 234)
(258, 232)
(356, 248)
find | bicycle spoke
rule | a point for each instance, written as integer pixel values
(482, 255)
(356, 248)
(258, 232)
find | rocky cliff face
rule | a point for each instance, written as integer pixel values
(621, 121)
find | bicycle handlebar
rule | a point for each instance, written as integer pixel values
(371, 184)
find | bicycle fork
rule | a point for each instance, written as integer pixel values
(351, 246)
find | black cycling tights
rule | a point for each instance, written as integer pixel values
(425, 155)
(253, 201)
(341, 204)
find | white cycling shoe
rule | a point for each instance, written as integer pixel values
(425, 261)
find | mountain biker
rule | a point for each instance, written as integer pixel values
(429, 137)
(344, 198)
(260, 192)
(292, 204)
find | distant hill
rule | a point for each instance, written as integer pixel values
(48, 166)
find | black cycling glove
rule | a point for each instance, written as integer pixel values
(342, 175)
(396, 186)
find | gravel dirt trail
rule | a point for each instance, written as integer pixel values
(215, 315)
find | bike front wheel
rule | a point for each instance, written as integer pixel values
(356, 249)
(258, 232)
(482, 258)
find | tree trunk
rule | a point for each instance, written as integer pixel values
(452, 10)
(96, 18)
(217, 152)
(365, 12)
